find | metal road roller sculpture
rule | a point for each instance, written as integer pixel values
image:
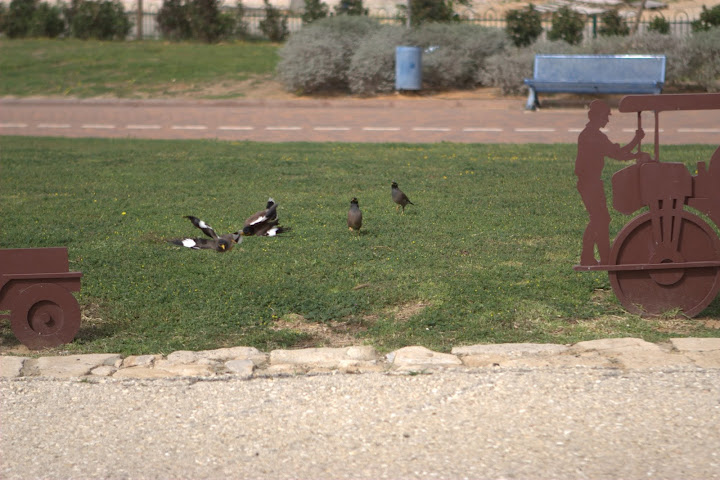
(667, 257)
(36, 287)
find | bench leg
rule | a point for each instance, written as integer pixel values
(532, 101)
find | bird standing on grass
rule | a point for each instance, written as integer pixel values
(399, 197)
(354, 216)
(265, 222)
(219, 243)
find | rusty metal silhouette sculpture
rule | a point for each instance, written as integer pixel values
(666, 258)
(36, 286)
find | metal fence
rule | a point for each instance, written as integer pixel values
(680, 23)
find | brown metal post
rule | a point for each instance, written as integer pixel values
(657, 136)
(140, 20)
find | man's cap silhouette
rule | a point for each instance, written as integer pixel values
(598, 107)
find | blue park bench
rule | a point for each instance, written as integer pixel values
(599, 74)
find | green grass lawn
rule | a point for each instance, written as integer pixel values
(91, 68)
(484, 256)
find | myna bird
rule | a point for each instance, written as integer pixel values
(354, 217)
(268, 214)
(399, 197)
(264, 230)
(264, 223)
(222, 243)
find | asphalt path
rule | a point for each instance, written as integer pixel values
(572, 423)
(393, 119)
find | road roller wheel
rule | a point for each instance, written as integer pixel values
(45, 315)
(654, 292)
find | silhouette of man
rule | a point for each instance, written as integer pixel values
(593, 147)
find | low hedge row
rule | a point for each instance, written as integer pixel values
(357, 55)
(100, 19)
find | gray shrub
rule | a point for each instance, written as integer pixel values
(317, 58)
(357, 54)
(454, 53)
(702, 54)
(372, 69)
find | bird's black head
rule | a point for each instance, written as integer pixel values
(394, 185)
(248, 231)
(270, 203)
(354, 201)
(224, 245)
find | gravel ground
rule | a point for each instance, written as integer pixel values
(505, 423)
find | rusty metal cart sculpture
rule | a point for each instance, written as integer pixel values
(36, 286)
(668, 257)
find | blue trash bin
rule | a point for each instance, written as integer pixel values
(408, 68)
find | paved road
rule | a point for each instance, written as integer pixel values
(347, 120)
(569, 423)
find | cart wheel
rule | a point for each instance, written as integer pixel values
(45, 315)
(657, 291)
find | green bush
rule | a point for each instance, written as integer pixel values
(613, 24)
(199, 20)
(47, 21)
(350, 7)
(429, 11)
(314, 10)
(30, 18)
(708, 19)
(524, 26)
(206, 22)
(318, 57)
(274, 25)
(174, 21)
(3, 16)
(659, 25)
(567, 25)
(101, 20)
(18, 18)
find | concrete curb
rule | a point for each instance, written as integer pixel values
(249, 362)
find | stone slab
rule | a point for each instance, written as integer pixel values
(322, 357)
(11, 367)
(417, 356)
(633, 353)
(511, 349)
(74, 365)
(696, 344)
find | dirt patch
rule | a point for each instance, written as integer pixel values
(677, 325)
(332, 334)
(406, 311)
(714, 324)
(267, 87)
(342, 333)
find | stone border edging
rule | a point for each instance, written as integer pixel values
(248, 362)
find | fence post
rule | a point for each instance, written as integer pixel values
(594, 24)
(139, 19)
